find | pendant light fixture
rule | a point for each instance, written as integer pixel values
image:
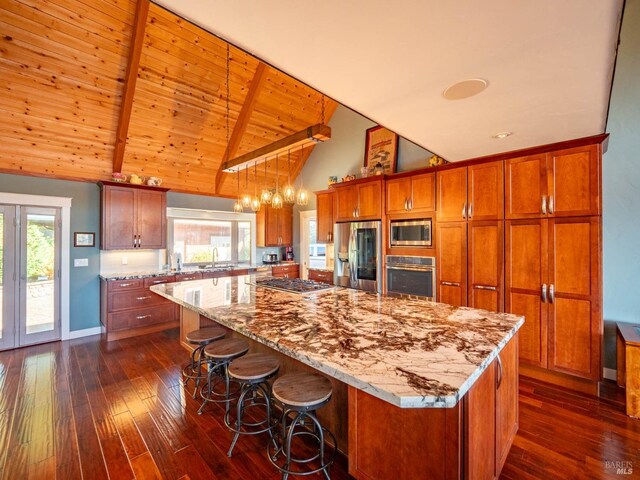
(255, 201)
(266, 195)
(303, 196)
(246, 197)
(288, 192)
(237, 207)
(277, 200)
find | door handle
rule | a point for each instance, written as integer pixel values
(464, 210)
(143, 298)
(499, 371)
(544, 204)
(486, 287)
(552, 294)
(411, 204)
(543, 293)
(142, 317)
(470, 210)
(450, 284)
(406, 204)
(551, 204)
(125, 284)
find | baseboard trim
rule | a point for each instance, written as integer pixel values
(610, 374)
(85, 332)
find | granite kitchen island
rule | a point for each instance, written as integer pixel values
(431, 387)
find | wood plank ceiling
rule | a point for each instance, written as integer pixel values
(67, 99)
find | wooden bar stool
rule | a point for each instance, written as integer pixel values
(301, 394)
(218, 355)
(193, 370)
(252, 372)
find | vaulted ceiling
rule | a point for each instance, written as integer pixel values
(70, 109)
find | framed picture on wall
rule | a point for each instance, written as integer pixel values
(84, 239)
(381, 146)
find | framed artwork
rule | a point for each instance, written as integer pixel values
(84, 239)
(381, 145)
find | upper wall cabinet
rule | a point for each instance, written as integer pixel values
(359, 201)
(415, 194)
(563, 183)
(133, 217)
(274, 226)
(324, 223)
(471, 193)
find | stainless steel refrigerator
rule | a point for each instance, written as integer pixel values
(358, 255)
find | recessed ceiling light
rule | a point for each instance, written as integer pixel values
(502, 135)
(465, 89)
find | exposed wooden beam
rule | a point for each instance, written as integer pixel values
(243, 118)
(131, 76)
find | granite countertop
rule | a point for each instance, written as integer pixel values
(185, 271)
(321, 269)
(411, 353)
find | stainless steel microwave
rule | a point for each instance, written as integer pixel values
(410, 233)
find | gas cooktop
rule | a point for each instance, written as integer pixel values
(293, 285)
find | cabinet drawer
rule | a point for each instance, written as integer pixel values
(185, 277)
(321, 276)
(119, 285)
(142, 317)
(135, 299)
(281, 269)
(148, 282)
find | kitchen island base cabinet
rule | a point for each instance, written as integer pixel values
(469, 441)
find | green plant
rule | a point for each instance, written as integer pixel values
(40, 248)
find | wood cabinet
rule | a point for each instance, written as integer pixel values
(553, 278)
(132, 217)
(485, 268)
(324, 217)
(452, 195)
(414, 194)
(188, 276)
(128, 308)
(562, 183)
(506, 401)
(321, 276)
(286, 271)
(359, 201)
(274, 226)
(451, 263)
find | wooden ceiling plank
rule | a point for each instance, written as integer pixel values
(243, 119)
(142, 10)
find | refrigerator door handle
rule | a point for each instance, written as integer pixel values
(353, 258)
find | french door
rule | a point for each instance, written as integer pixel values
(30, 275)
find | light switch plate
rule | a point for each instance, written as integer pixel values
(125, 260)
(80, 262)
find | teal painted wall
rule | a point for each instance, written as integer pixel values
(84, 287)
(621, 187)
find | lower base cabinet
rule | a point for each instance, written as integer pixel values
(469, 441)
(286, 271)
(323, 276)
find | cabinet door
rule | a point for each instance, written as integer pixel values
(526, 272)
(506, 402)
(346, 201)
(285, 226)
(480, 420)
(575, 323)
(452, 263)
(370, 200)
(261, 226)
(525, 186)
(486, 191)
(423, 193)
(324, 218)
(398, 195)
(151, 219)
(118, 218)
(452, 195)
(574, 181)
(271, 233)
(486, 265)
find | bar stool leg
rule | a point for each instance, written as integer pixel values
(239, 412)
(209, 375)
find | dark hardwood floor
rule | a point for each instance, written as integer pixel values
(91, 409)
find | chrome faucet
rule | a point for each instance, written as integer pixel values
(214, 257)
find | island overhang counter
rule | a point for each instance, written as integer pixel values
(431, 387)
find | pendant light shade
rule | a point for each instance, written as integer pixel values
(265, 195)
(302, 198)
(277, 201)
(246, 196)
(255, 200)
(288, 192)
(237, 206)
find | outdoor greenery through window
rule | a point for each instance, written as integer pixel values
(196, 240)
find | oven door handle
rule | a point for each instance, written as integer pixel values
(411, 269)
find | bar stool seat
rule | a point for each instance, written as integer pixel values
(252, 371)
(218, 356)
(201, 337)
(301, 394)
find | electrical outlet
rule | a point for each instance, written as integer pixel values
(80, 262)
(125, 260)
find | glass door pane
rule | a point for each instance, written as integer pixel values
(366, 254)
(7, 268)
(39, 316)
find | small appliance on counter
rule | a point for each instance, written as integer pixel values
(270, 258)
(289, 254)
